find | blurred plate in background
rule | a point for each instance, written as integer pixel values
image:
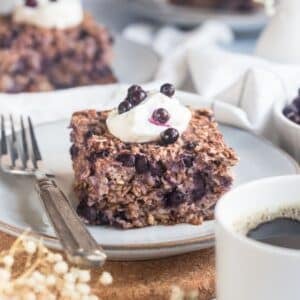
(161, 11)
(132, 62)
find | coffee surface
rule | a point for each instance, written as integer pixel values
(281, 232)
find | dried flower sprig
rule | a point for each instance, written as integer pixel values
(44, 275)
(178, 294)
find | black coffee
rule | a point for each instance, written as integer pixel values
(281, 232)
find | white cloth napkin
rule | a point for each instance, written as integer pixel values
(242, 89)
(173, 45)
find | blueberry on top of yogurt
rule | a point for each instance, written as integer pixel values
(292, 111)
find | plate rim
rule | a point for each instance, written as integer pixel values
(204, 15)
(53, 241)
(206, 10)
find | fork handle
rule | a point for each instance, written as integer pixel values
(79, 245)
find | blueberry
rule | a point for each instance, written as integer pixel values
(169, 136)
(100, 154)
(127, 159)
(197, 194)
(137, 97)
(121, 215)
(200, 186)
(83, 34)
(31, 3)
(226, 181)
(104, 70)
(6, 42)
(103, 153)
(103, 219)
(289, 111)
(134, 88)
(175, 198)
(190, 145)
(74, 151)
(157, 169)
(158, 183)
(161, 116)
(199, 180)
(188, 160)
(89, 213)
(168, 89)
(296, 103)
(89, 134)
(141, 164)
(19, 67)
(292, 113)
(295, 118)
(124, 107)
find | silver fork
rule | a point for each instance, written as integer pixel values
(20, 155)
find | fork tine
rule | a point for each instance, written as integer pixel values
(24, 144)
(24, 140)
(3, 137)
(14, 146)
(6, 160)
(37, 157)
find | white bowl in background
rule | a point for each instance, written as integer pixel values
(288, 132)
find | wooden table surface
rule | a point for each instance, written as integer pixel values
(153, 279)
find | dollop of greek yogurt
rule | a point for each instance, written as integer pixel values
(138, 126)
(60, 14)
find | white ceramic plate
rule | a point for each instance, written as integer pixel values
(20, 207)
(160, 10)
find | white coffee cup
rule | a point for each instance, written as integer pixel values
(251, 270)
